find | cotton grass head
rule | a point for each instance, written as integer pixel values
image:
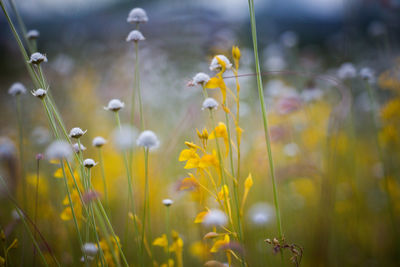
(148, 139)
(200, 79)
(367, 75)
(114, 105)
(59, 150)
(90, 249)
(346, 71)
(209, 103)
(76, 132)
(39, 93)
(124, 138)
(98, 141)
(32, 34)
(78, 147)
(135, 36)
(215, 66)
(137, 15)
(17, 89)
(89, 163)
(215, 217)
(167, 202)
(37, 58)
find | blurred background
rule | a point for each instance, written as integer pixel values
(324, 128)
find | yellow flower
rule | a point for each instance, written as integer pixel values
(161, 241)
(217, 82)
(220, 131)
(66, 214)
(200, 217)
(236, 54)
(391, 111)
(220, 243)
(224, 193)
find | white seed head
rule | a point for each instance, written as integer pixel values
(135, 36)
(40, 93)
(289, 39)
(167, 202)
(59, 150)
(114, 105)
(215, 66)
(99, 141)
(367, 74)
(32, 34)
(90, 249)
(346, 71)
(76, 132)
(7, 148)
(137, 15)
(124, 138)
(17, 89)
(201, 79)
(148, 139)
(261, 213)
(209, 103)
(215, 217)
(78, 148)
(37, 58)
(89, 163)
(291, 149)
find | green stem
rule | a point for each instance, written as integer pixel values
(146, 199)
(21, 149)
(103, 176)
(264, 115)
(168, 237)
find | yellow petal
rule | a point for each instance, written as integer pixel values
(248, 183)
(200, 217)
(161, 241)
(213, 83)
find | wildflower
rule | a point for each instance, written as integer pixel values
(40, 93)
(367, 74)
(161, 241)
(89, 163)
(17, 89)
(346, 71)
(291, 149)
(137, 15)
(148, 139)
(124, 137)
(220, 243)
(167, 202)
(39, 156)
(90, 249)
(261, 213)
(32, 34)
(236, 53)
(90, 195)
(59, 150)
(135, 36)
(219, 63)
(99, 141)
(200, 79)
(76, 132)
(289, 39)
(215, 217)
(37, 58)
(114, 105)
(210, 103)
(7, 148)
(78, 147)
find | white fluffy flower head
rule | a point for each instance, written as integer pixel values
(37, 58)
(90, 249)
(201, 79)
(167, 202)
(346, 71)
(148, 139)
(89, 163)
(124, 138)
(114, 105)
(135, 36)
(99, 141)
(59, 150)
(215, 66)
(215, 217)
(137, 15)
(367, 74)
(39, 93)
(17, 89)
(76, 132)
(209, 103)
(78, 148)
(261, 213)
(32, 34)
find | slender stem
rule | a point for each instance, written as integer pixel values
(36, 205)
(168, 236)
(264, 115)
(146, 199)
(72, 210)
(21, 149)
(21, 25)
(103, 176)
